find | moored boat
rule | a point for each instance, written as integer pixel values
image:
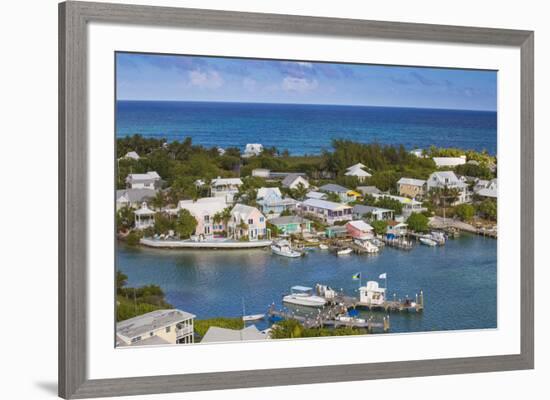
(323, 246)
(367, 245)
(283, 248)
(428, 242)
(303, 296)
(344, 251)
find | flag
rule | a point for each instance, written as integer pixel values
(382, 276)
(357, 276)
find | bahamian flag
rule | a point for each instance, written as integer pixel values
(382, 276)
(357, 276)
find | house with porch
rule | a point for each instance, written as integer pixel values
(291, 224)
(149, 180)
(371, 213)
(448, 179)
(144, 217)
(157, 327)
(327, 211)
(413, 188)
(226, 188)
(247, 223)
(204, 211)
(271, 202)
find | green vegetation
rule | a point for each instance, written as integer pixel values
(125, 219)
(465, 212)
(202, 325)
(477, 171)
(379, 227)
(290, 329)
(488, 209)
(384, 202)
(133, 238)
(185, 224)
(132, 302)
(418, 222)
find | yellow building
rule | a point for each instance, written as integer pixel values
(156, 328)
(413, 188)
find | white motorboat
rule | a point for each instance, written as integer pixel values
(428, 241)
(347, 318)
(283, 248)
(367, 245)
(344, 251)
(303, 296)
(323, 246)
(253, 317)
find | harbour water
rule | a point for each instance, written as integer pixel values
(304, 128)
(459, 280)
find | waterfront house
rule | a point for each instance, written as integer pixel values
(226, 188)
(442, 162)
(215, 334)
(156, 327)
(316, 195)
(417, 152)
(368, 190)
(327, 211)
(336, 232)
(253, 149)
(149, 180)
(133, 197)
(396, 229)
(358, 172)
(261, 173)
(247, 223)
(359, 229)
(413, 188)
(291, 224)
(204, 210)
(271, 202)
(144, 217)
(292, 181)
(339, 190)
(448, 179)
(375, 213)
(409, 205)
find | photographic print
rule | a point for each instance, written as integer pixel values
(261, 199)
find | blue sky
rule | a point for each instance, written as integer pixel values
(191, 78)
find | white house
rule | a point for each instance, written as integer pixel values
(442, 162)
(413, 188)
(341, 191)
(261, 172)
(448, 179)
(358, 165)
(272, 203)
(490, 189)
(144, 217)
(149, 180)
(417, 152)
(203, 210)
(247, 222)
(358, 172)
(327, 211)
(377, 213)
(292, 181)
(409, 205)
(133, 197)
(156, 327)
(225, 187)
(131, 155)
(316, 195)
(253, 149)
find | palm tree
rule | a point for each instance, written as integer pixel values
(299, 192)
(158, 201)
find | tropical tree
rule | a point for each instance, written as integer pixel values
(125, 218)
(299, 193)
(418, 222)
(121, 281)
(488, 209)
(185, 224)
(159, 201)
(465, 211)
(379, 226)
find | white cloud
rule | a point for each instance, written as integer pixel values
(207, 79)
(249, 84)
(292, 84)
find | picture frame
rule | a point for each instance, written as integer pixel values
(74, 18)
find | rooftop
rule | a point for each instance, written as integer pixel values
(226, 181)
(332, 187)
(368, 189)
(289, 219)
(290, 178)
(150, 175)
(361, 209)
(151, 321)
(328, 205)
(135, 195)
(316, 195)
(361, 225)
(216, 334)
(411, 181)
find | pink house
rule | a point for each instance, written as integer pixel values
(204, 210)
(247, 222)
(359, 229)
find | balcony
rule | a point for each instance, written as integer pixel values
(184, 331)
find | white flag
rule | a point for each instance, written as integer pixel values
(382, 276)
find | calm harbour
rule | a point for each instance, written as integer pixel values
(459, 280)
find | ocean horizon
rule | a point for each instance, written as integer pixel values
(306, 128)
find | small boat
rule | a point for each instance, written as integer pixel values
(253, 317)
(344, 251)
(367, 245)
(323, 246)
(283, 248)
(303, 296)
(348, 318)
(428, 241)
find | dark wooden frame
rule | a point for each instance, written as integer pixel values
(73, 172)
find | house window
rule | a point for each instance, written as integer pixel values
(261, 219)
(250, 221)
(206, 218)
(168, 328)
